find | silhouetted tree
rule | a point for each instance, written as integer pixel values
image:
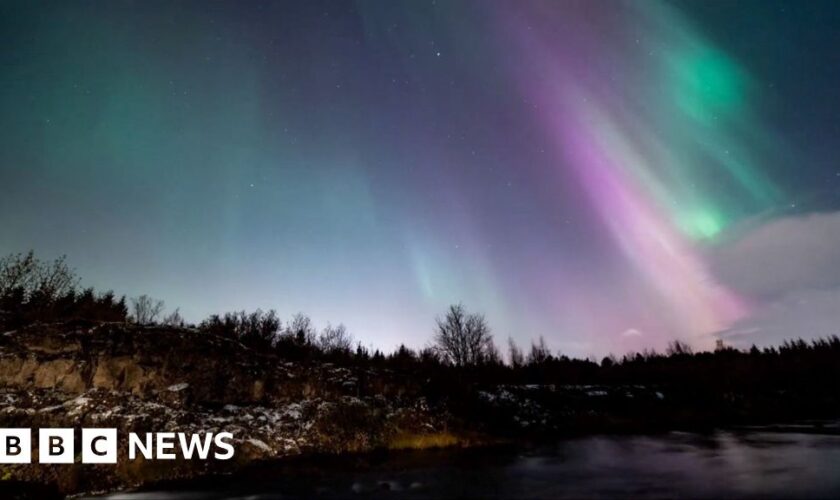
(31, 275)
(301, 330)
(463, 339)
(18, 272)
(517, 359)
(540, 353)
(33, 290)
(257, 329)
(174, 318)
(492, 356)
(298, 340)
(678, 348)
(335, 339)
(362, 353)
(56, 278)
(145, 310)
(429, 356)
(378, 357)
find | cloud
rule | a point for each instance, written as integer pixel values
(790, 269)
(632, 332)
(771, 260)
(806, 314)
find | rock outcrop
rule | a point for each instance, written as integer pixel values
(155, 379)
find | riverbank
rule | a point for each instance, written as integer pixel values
(163, 379)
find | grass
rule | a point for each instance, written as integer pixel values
(424, 441)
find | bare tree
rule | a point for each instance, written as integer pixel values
(335, 339)
(146, 309)
(463, 339)
(492, 356)
(174, 318)
(300, 330)
(517, 359)
(540, 353)
(18, 271)
(678, 347)
(31, 276)
(55, 278)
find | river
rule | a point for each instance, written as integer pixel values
(733, 464)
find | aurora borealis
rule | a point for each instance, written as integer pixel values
(609, 175)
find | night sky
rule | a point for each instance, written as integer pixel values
(609, 175)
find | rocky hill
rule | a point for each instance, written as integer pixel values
(147, 379)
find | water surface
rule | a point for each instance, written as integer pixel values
(752, 464)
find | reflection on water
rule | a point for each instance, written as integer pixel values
(723, 464)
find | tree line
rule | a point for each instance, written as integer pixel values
(34, 290)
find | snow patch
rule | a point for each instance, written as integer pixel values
(259, 444)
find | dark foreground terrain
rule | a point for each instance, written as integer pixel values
(145, 379)
(752, 463)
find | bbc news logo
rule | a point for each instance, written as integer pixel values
(99, 446)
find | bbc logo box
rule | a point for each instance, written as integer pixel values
(57, 446)
(17, 446)
(99, 446)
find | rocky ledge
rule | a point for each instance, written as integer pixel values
(155, 379)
